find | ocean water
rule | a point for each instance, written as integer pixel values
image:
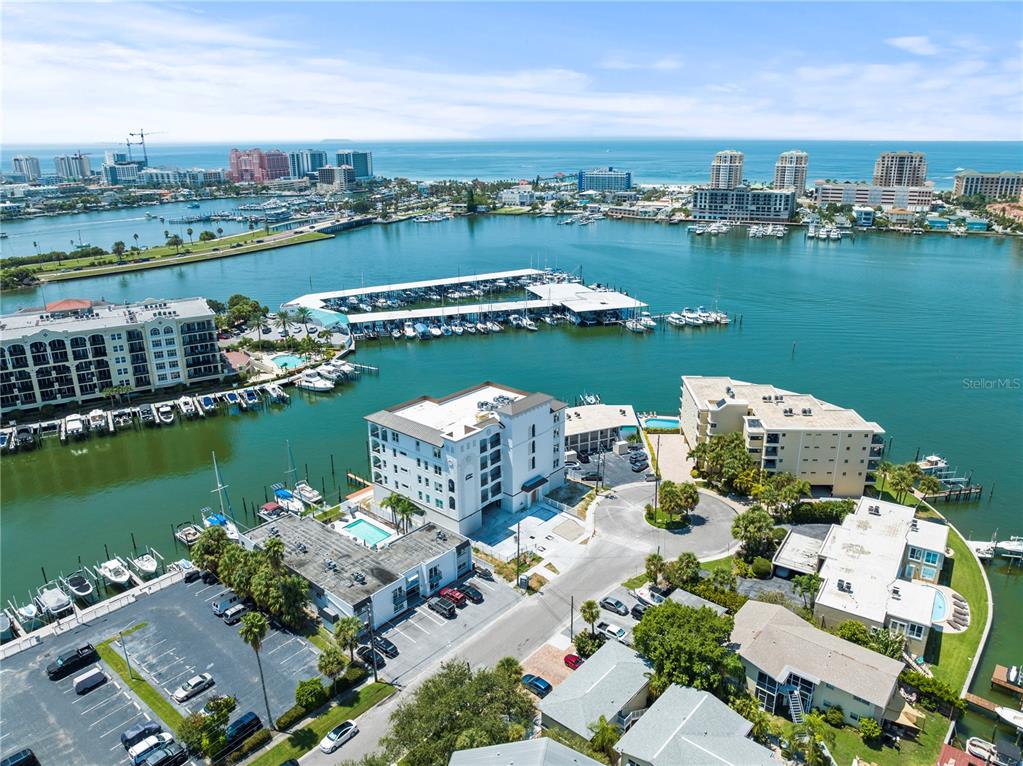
(650, 160)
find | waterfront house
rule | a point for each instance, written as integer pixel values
(527, 752)
(593, 428)
(864, 216)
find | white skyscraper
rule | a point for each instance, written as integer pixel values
(726, 170)
(27, 166)
(72, 166)
(790, 170)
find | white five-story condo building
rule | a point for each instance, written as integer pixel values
(486, 447)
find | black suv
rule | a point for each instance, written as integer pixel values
(171, 754)
(370, 657)
(385, 646)
(70, 661)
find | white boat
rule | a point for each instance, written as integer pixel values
(470, 328)
(72, 427)
(435, 331)
(186, 406)
(77, 583)
(495, 327)
(516, 320)
(53, 601)
(146, 564)
(722, 318)
(482, 327)
(987, 752)
(457, 329)
(691, 317)
(529, 324)
(310, 381)
(634, 325)
(327, 371)
(676, 319)
(114, 572)
(164, 413)
(28, 613)
(220, 520)
(1013, 547)
(288, 501)
(187, 533)
(98, 421)
(307, 494)
(123, 419)
(647, 321)
(409, 330)
(834, 234)
(1010, 716)
(395, 333)
(277, 393)
(705, 316)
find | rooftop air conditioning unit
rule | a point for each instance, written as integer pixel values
(841, 584)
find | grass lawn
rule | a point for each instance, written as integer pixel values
(922, 752)
(301, 741)
(321, 639)
(159, 704)
(661, 521)
(641, 579)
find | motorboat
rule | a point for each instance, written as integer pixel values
(1010, 716)
(647, 321)
(28, 613)
(165, 413)
(187, 407)
(187, 533)
(208, 403)
(307, 494)
(482, 327)
(78, 584)
(516, 320)
(987, 752)
(494, 326)
(327, 371)
(1013, 547)
(146, 564)
(5, 622)
(147, 415)
(220, 520)
(231, 397)
(421, 330)
(287, 500)
(692, 317)
(270, 511)
(435, 331)
(722, 318)
(114, 572)
(395, 333)
(634, 325)
(409, 330)
(98, 421)
(675, 319)
(123, 419)
(251, 397)
(5, 439)
(311, 381)
(705, 316)
(457, 329)
(529, 324)
(277, 393)
(470, 328)
(72, 427)
(53, 601)
(549, 319)
(834, 235)
(445, 330)
(24, 438)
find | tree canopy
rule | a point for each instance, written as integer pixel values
(723, 459)
(754, 528)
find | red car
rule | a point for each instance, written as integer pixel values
(573, 661)
(453, 595)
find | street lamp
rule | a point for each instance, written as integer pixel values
(124, 649)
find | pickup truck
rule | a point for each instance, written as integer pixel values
(611, 630)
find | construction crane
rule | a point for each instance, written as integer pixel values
(141, 142)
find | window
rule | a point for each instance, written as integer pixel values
(915, 554)
(451, 485)
(557, 463)
(154, 332)
(436, 470)
(484, 462)
(451, 503)
(168, 330)
(483, 446)
(439, 503)
(532, 431)
(532, 463)
(930, 557)
(532, 448)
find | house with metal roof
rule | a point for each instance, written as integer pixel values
(613, 683)
(529, 752)
(691, 727)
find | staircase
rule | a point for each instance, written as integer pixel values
(796, 706)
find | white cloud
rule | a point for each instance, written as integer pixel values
(918, 45)
(622, 63)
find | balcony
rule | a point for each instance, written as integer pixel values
(877, 439)
(771, 452)
(773, 438)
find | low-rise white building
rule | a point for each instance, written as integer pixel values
(913, 198)
(519, 196)
(485, 447)
(595, 428)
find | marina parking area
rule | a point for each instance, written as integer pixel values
(423, 635)
(616, 470)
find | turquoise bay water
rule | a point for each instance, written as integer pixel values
(921, 334)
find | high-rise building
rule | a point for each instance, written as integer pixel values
(900, 169)
(726, 170)
(992, 186)
(117, 174)
(257, 166)
(916, 199)
(72, 166)
(74, 350)
(26, 166)
(790, 170)
(275, 164)
(305, 161)
(743, 204)
(361, 161)
(605, 180)
(336, 177)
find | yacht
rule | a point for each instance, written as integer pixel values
(987, 752)
(482, 327)
(146, 564)
(78, 584)
(647, 321)
(834, 234)
(705, 316)
(98, 421)
(208, 403)
(186, 406)
(123, 419)
(53, 601)
(114, 572)
(1010, 716)
(310, 381)
(288, 501)
(692, 317)
(231, 397)
(327, 371)
(187, 533)
(250, 397)
(409, 330)
(722, 317)
(634, 325)
(1013, 547)
(675, 319)
(307, 494)
(529, 324)
(147, 416)
(165, 413)
(220, 520)
(72, 427)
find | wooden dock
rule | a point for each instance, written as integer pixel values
(1000, 680)
(980, 703)
(958, 494)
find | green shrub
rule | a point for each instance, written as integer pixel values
(934, 693)
(249, 746)
(870, 730)
(353, 676)
(778, 534)
(835, 717)
(291, 716)
(310, 693)
(762, 568)
(729, 599)
(821, 512)
(586, 644)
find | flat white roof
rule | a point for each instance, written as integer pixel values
(436, 312)
(598, 417)
(453, 415)
(316, 300)
(912, 601)
(579, 298)
(799, 553)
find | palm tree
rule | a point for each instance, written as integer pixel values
(884, 470)
(605, 736)
(402, 510)
(332, 663)
(509, 667)
(188, 231)
(282, 319)
(590, 613)
(810, 735)
(302, 316)
(255, 318)
(253, 630)
(136, 238)
(273, 549)
(346, 634)
(930, 485)
(654, 568)
(220, 231)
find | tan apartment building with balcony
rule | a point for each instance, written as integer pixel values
(831, 447)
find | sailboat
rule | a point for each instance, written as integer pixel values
(224, 518)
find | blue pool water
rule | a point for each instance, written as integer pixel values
(661, 422)
(288, 361)
(628, 430)
(368, 532)
(940, 607)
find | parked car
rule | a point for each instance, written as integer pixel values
(583, 458)
(234, 615)
(574, 661)
(471, 593)
(443, 607)
(640, 467)
(591, 476)
(385, 646)
(338, 736)
(21, 758)
(651, 476)
(209, 578)
(637, 456)
(71, 660)
(171, 754)
(453, 595)
(541, 687)
(614, 605)
(138, 753)
(611, 630)
(192, 575)
(138, 732)
(572, 464)
(89, 680)
(238, 730)
(370, 657)
(193, 686)
(483, 572)
(638, 610)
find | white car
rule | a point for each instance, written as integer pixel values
(137, 754)
(338, 736)
(193, 686)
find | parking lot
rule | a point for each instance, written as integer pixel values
(614, 469)
(59, 725)
(183, 638)
(422, 635)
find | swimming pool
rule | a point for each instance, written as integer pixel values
(367, 531)
(289, 361)
(940, 606)
(659, 422)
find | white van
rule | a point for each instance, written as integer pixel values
(88, 681)
(225, 601)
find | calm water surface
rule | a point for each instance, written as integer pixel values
(917, 333)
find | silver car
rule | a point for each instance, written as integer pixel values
(193, 686)
(338, 736)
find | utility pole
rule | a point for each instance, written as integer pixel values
(125, 650)
(518, 550)
(372, 638)
(571, 620)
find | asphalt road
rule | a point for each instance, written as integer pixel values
(613, 555)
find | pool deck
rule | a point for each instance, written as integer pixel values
(342, 528)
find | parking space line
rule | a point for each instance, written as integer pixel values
(294, 638)
(163, 654)
(479, 584)
(99, 704)
(189, 669)
(203, 590)
(120, 727)
(426, 614)
(292, 656)
(150, 648)
(403, 634)
(115, 710)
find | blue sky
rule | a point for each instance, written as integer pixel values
(308, 71)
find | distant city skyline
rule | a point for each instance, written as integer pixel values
(257, 73)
